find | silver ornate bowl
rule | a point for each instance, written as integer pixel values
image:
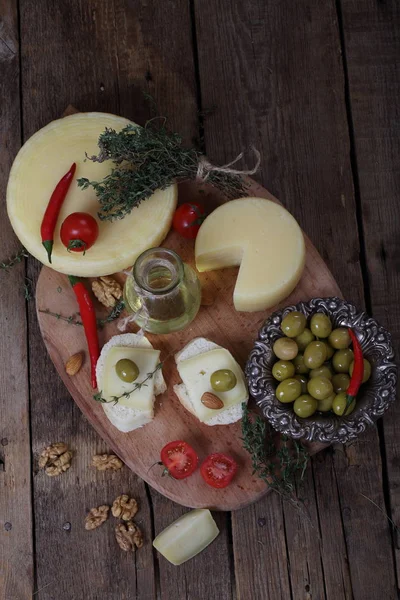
(373, 400)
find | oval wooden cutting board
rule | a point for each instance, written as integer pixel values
(219, 322)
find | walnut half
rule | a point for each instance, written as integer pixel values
(96, 517)
(104, 462)
(107, 291)
(55, 459)
(128, 536)
(124, 508)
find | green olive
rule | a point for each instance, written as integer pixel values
(320, 325)
(315, 355)
(325, 405)
(223, 380)
(288, 390)
(293, 324)
(340, 403)
(367, 370)
(299, 365)
(283, 369)
(304, 406)
(303, 380)
(342, 360)
(320, 388)
(340, 338)
(285, 348)
(340, 382)
(324, 371)
(304, 339)
(329, 350)
(127, 370)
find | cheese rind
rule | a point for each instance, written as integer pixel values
(261, 237)
(195, 373)
(187, 536)
(38, 167)
(146, 361)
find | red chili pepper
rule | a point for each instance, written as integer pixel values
(358, 369)
(50, 217)
(88, 316)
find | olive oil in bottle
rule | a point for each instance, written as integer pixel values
(162, 292)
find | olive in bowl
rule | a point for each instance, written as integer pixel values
(327, 419)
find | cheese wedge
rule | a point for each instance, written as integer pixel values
(196, 362)
(38, 167)
(263, 239)
(187, 536)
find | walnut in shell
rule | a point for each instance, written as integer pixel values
(128, 536)
(104, 462)
(96, 517)
(124, 508)
(107, 290)
(55, 459)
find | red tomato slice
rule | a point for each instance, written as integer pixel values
(187, 219)
(180, 459)
(218, 470)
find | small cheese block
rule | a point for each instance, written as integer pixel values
(187, 536)
(195, 373)
(264, 239)
(37, 169)
(146, 361)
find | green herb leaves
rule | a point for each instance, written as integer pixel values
(147, 159)
(276, 459)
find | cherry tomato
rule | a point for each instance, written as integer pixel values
(218, 470)
(79, 232)
(187, 219)
(179, 459)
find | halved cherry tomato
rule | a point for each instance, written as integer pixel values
(79, 232)
(179, 459)
(218, 470)
(187, 219)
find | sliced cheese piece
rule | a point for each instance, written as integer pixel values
(122, 417)
(38, 167)
(195, 373)
(146, 361)
(263, 239)
(187, 536)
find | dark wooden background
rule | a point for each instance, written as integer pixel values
(315, 86)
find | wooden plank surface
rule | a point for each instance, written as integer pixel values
(16, 545)
(81, 38)
(274, 73)
(287, 98)
(372, 46)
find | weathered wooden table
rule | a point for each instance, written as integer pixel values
(315, 86)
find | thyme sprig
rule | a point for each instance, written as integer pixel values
(137, 386)
(277, 460)
(72, 319)
(147, 159)
(17, 258)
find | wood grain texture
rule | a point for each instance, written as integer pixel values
(140, 448)
(372, 45)
(81, 40)
(16, 544)
(277, 82)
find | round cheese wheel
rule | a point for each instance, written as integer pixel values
(37, 169)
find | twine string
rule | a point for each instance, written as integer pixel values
(205, 167)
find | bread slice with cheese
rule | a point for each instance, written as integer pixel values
(196, 362)
(138, 409)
